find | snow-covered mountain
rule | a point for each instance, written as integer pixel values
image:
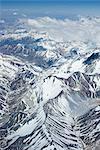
(49, 89)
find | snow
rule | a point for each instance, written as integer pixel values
(45, 100)
(77, 66)
(51, 88)
(29, 126)
(97, 108)
(97, 67)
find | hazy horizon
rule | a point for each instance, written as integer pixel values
(51, 8)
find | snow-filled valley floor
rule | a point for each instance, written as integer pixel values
(50, 84)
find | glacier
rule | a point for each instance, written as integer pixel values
(50, 84)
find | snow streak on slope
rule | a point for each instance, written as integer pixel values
(50, 85)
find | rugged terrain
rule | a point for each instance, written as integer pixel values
(49, 91)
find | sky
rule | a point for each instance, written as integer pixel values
(50, 1)
(54, 7)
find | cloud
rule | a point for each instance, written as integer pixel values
(84, 29)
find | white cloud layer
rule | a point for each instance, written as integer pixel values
(84, 29)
